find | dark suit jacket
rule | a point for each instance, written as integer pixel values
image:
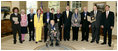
(45, 18)
(98, 17)
(84, 22)
(30, 24)
(19, 19)
(60, 20)
(12, 16)
(67, 21)
(107, 22)
(56, 29)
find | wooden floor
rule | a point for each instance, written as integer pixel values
(7, 44)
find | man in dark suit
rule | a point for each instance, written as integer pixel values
(52, 11)
(107, 24)
(58, 19)
(31, 25)
(15, 19)
(95, 17)
(67, 23)
(85, 24)
(46, 20)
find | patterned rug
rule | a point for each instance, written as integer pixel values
(61, 47)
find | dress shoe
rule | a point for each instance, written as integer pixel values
(30, 40)
(82, 40)
(97, 42)
(51, 44)
(109, 45)
(36, 42)
(92, 41)
(103, 43)
(86, 40)
(21, 41)
(57, 44)
(40, 41)
(14, 42)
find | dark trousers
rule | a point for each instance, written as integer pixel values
(66, 33)
(85, 32)
(60, 30)
(109, 30)
(75, 33)
(95, 32)
(31, 33)
(15, 29)
(45, 33)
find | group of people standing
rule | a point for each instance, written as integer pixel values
(54, 23)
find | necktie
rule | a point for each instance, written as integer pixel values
(67, 14)
(107, 14)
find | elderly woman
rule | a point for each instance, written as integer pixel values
(53, 32)
(38, 24)
(23, 24)
(76, 18)
(15, 19)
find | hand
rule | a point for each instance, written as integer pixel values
(102, 26)
(89, 26)
(111, 27)
(80, 25)
(16, 22)
(75, 24)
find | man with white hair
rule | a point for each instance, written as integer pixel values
(31, 25)
(85, 24)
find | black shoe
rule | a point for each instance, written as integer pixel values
(40, 41)
(51, 44)
(30, 40)
(64, 40)
(82, 40)
(97, 42)
(92, 41)
(57, 44)
(21, 42)
(103, 43)
(36, 42)
(86, 40)
(33, 40)
(68, 39)
(109, 45)
(14, 42)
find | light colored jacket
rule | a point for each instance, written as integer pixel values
(78, 20)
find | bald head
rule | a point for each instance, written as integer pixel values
(31, 10)
(85, 9)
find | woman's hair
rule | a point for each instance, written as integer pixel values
(22, 10)
(76, 8)
(15, 8)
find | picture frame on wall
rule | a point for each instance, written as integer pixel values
(100, 6)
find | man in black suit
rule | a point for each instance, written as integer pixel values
(95, 17)
(31, 25)
(58, 19)
(85, 24)
(107, 24)
(46, 20)
(52, 11)
(67, 23)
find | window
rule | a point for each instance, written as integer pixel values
(31, 4)
(76, 4)
(54, 4)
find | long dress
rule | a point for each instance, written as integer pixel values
(38, 24)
